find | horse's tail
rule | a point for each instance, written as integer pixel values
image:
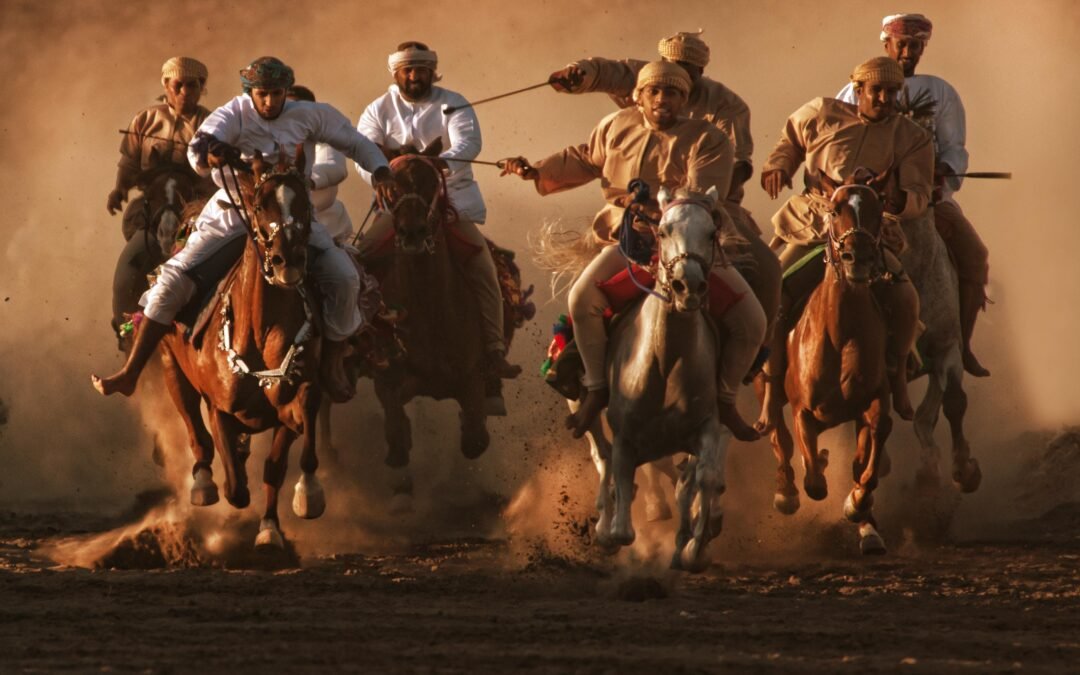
(562, 252)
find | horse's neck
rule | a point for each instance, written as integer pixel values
(259, 307)
(670, 336)
(848, 304)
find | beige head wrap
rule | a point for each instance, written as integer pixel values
(881, 69)
(183, 67)
(906, 25)
(685, 47)
(664, 74)
(413, 57)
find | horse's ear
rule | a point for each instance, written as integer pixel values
(433, 150)
(828, 183)
(299, 160)
(258, 166)
(283, 161)
(879, 181)
(663, 197)
(713, 194)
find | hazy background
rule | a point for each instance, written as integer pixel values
(77, 71)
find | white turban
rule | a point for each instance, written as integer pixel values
(413, 57)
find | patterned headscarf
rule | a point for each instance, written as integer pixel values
(906, 25)
(266, 72)
(881, 69)
(685, 47)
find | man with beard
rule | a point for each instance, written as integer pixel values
(409, 118)
(834, 138)
(261, 120)
(651, 141)
(158, 134)
(934, 104)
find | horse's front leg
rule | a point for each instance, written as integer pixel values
(807, 430)
(227, 432)
(397, 428)
(309, 499)
(274, 470)
(872, 430)
(600, 451)
(928, 475)
(325, 447)
(708, 476)
(623, 464)
(786, 499)
(204, 491)
(966, 472)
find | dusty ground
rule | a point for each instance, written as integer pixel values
(1009, 603)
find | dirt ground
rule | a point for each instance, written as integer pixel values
(1000, 604)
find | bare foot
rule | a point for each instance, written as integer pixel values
(116, 384)
(595, 401)
(972, 365)
(729, 417)
(501, 367)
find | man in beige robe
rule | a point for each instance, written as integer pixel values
(654, 143)
(834, 138)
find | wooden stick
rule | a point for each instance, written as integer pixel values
(452, 109)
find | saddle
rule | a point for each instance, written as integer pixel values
(562, 369)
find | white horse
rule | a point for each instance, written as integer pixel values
(927, 262)
(662, 362)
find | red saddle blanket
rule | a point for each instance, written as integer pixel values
(621, 291)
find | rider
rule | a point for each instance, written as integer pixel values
(159, 133)
(409, 118)
(934, 104)
(261, 119)
(328, 171)
(834, 138)
(650, 141)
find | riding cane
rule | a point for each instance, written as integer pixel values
(448, 110)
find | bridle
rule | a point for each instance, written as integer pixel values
(833, 253)
(669, 265)
(439, 209)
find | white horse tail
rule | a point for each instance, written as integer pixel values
(563, 252)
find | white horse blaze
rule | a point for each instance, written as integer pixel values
(285, 196)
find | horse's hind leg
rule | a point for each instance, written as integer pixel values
(708, 476)
(325, 447)
(807, 429)
(226, 439)
(624, 465)
(474, 434)
(203, 492)
(274, 470)
(398, 430)
(309, 500)
(656, 504)
(786, 499)
(966, 472)
(600, 450)
(927, 476)
(872, 430)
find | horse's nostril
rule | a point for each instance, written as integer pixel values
(702, 287)
(847, 257)
(277, 261)
(678, 286)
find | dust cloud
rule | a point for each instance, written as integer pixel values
(77, 72)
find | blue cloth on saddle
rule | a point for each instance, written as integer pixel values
(208, 276)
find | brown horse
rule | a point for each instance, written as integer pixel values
(836, 364)
(247, 365)
(444, 356)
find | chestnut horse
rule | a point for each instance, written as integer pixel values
(247, 365)
(836, 363)
(444, 356)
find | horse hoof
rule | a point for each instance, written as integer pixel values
(657, 511)
(623, 537)
(240, 497)
(269, 537)
(693, 558)
(475, 444)
(969, 479)
(606, 545)
(786, 504)
(309, 499)
(857, 513)
(870, 542)
(203, 492)
(816, 491)
(495, 406)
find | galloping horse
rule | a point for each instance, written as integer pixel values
(444, 355)
(166, 188)
(836, 369)
(662, 364)
(927, 263)
(247, 366)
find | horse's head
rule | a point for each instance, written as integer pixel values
(854, 226)
(422, 204)
(167, 188)
(281, 213)
(686, 236)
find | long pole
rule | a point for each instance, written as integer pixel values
(452, 109)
